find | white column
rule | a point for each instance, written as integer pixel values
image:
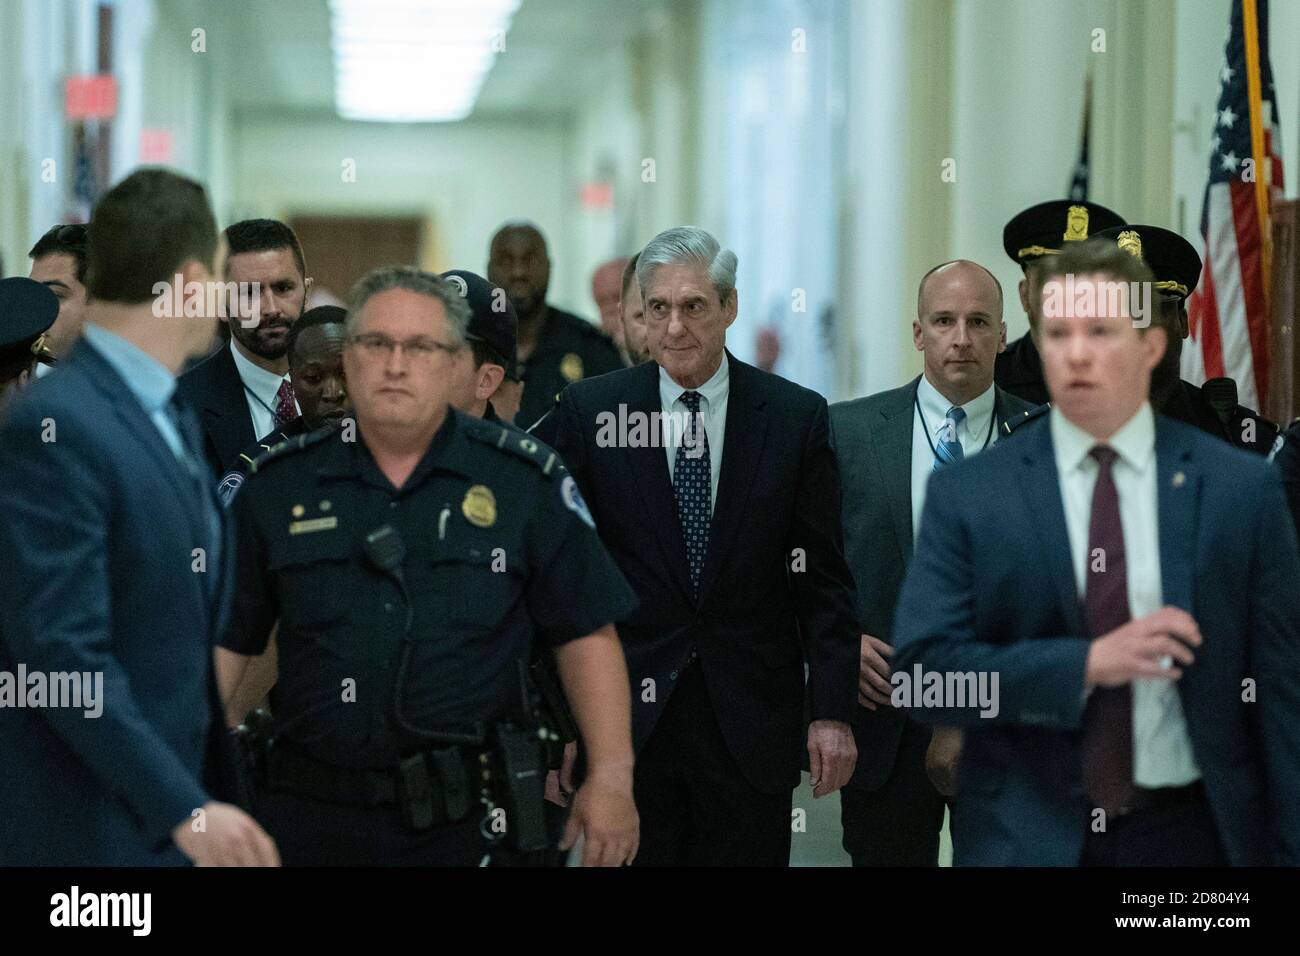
(871, 329)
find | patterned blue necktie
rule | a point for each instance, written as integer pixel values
(691, 486)
(948, 448)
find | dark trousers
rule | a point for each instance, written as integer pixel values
(312, 833)
(899, 824)
(1184, 835)
(696, 807)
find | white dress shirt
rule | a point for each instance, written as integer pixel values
(1162, 752)
(713, 410)
(973, 432)
(265, 386)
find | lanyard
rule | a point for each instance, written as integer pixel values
(925, 426)
(258, 398)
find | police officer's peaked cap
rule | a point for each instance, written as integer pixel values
(27, 310)
(1043, 229)
(1173, 259)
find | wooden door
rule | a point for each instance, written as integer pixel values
(341, 249)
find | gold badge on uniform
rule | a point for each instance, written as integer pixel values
(1130, 242)
(571, 367)
(480, 506)
(1076, 224)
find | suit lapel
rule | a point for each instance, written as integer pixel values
(1042, 489)
(1002, 411)
(225, 410)
(649, 465)
(742, 447)
(891, 436)
(1177, 494)
(133, 417)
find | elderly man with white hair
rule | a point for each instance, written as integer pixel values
(714, 486)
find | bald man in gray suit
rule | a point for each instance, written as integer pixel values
(887, 446)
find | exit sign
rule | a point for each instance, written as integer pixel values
(89, 97)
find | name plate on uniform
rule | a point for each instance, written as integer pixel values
(314, 524)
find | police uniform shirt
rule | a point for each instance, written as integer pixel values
(500, 552)
(1018, 371)
(568, 349)
(229, 484)
(1244, 428)
(1285, 456)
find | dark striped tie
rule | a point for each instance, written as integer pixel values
(948, 449)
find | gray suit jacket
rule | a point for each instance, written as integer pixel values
(872, 437)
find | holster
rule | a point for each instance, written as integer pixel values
(519, 787)
(252, 740)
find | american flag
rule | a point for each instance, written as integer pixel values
(1229, 311)
(1079, 178)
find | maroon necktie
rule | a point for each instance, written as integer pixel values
(285, 410)
(1108, 718)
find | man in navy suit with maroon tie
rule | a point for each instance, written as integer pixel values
(1143, 629)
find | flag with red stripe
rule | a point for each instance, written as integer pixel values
(1229, 311)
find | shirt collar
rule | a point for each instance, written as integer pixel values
(712, 391)
(447, 451)
(1135, 442)
(935, 407)
(265, 385)
(151, 382)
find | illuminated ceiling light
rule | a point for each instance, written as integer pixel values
(414, 61)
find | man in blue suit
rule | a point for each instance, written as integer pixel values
(1140, 634)
(114, 569)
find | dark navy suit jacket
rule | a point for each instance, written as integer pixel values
(991, 588)
(97, 530)
(214, 389)
(778, 491)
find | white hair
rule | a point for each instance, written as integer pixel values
(693, 245)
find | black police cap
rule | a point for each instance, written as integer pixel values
(27, 309)
(493, 320)
(1174, 260)
(1043, 229)
(325, 315)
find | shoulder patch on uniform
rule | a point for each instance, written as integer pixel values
(1015, 421)
(291, 445)
(572, 499)
(229, 486)
(518, 443)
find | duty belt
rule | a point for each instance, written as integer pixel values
(431, 788)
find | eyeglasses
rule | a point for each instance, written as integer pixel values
(376, 346)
